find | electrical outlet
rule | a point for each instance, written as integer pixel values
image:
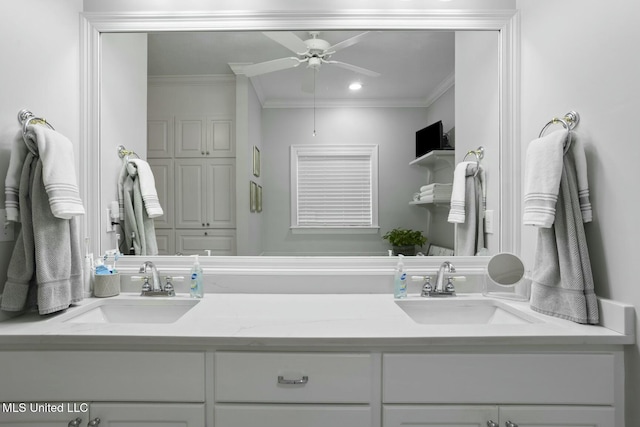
(6, 228)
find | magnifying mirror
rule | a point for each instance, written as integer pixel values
(506, 278)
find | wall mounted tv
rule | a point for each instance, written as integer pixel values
(431, 138)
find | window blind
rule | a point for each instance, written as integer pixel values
(335, 188)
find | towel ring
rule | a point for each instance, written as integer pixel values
(569, 122)
(25, 117)
(123, 152)
(479, 153)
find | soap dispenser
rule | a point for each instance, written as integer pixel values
(400, 279)
(196, 289)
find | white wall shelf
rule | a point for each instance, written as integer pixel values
(436, 159)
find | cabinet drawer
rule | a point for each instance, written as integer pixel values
(506, 378)
(230, 415)
(101, 376)
(293, 377)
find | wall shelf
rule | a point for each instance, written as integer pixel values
(436, 159)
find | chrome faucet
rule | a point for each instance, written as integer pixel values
(440, 289)
(155, 277)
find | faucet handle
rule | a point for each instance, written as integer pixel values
(146, 286)
(168, 287)
(449, 286)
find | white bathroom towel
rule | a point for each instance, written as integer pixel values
(148, 188)
(577, 148)
(470, 235)
(435, 187)
(12, 181)
(543, 169)
(58, 170)
(456, 213)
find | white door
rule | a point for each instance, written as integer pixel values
(557, 416)
(439, 416)
(220, 191)
(148, 414)
(189, 196)
(191, 136)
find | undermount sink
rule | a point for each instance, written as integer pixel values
(463, 312)
(134, 311)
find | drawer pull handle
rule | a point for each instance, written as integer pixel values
(510, 424)
(303, 380)
(491, 423)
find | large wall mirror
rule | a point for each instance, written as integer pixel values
(193, 82)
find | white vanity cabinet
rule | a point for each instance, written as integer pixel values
(511, 390)
(104, 414)
(258, 389)
(498, 416)
(121, 388)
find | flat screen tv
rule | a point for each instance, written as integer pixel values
(430, 138)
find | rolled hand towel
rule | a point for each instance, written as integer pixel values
(543, 169)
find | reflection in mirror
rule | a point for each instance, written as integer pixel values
(185, 103)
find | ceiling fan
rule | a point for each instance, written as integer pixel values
(313, 51)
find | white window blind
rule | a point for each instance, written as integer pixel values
(334, 186)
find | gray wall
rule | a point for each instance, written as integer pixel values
(598, 77)
(393, 129)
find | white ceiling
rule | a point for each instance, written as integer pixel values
(415, 66)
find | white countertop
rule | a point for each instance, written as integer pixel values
(318, 320)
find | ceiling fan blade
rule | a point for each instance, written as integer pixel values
(348, 42)
(288, 40)
(353, 68)
(270, 66)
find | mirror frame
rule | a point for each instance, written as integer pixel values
(504, 21)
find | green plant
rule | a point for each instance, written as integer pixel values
(403, 237)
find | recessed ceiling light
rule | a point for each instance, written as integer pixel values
(355, 86)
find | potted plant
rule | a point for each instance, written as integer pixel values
(405, 241)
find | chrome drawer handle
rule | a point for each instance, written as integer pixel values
(304, 380)
(491, 423)
(510, 424)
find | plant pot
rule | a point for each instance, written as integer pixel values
(404, 250)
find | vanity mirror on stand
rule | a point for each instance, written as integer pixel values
(502, 155)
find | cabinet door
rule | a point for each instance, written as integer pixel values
(557, 416)
(292, 416)
(438, 416)
(166, 241)
(163, 174)
(220, 242)
(143, 414)
(29, 414)
(220, 138)
(220, 193)
(160, 137)
(190, 203)
(190, 136)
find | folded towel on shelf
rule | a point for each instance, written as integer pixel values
(543, 169)
(12, 181)
(562, 281)
(148, 188)
(457, 211)
(58, 170)
(436, 186)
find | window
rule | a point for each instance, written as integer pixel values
(334, 188)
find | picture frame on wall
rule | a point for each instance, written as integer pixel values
(253, 196)
(256, 161)
(259, 199)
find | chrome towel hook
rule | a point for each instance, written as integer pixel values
(479, 154)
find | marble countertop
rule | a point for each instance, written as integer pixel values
(304, 320)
